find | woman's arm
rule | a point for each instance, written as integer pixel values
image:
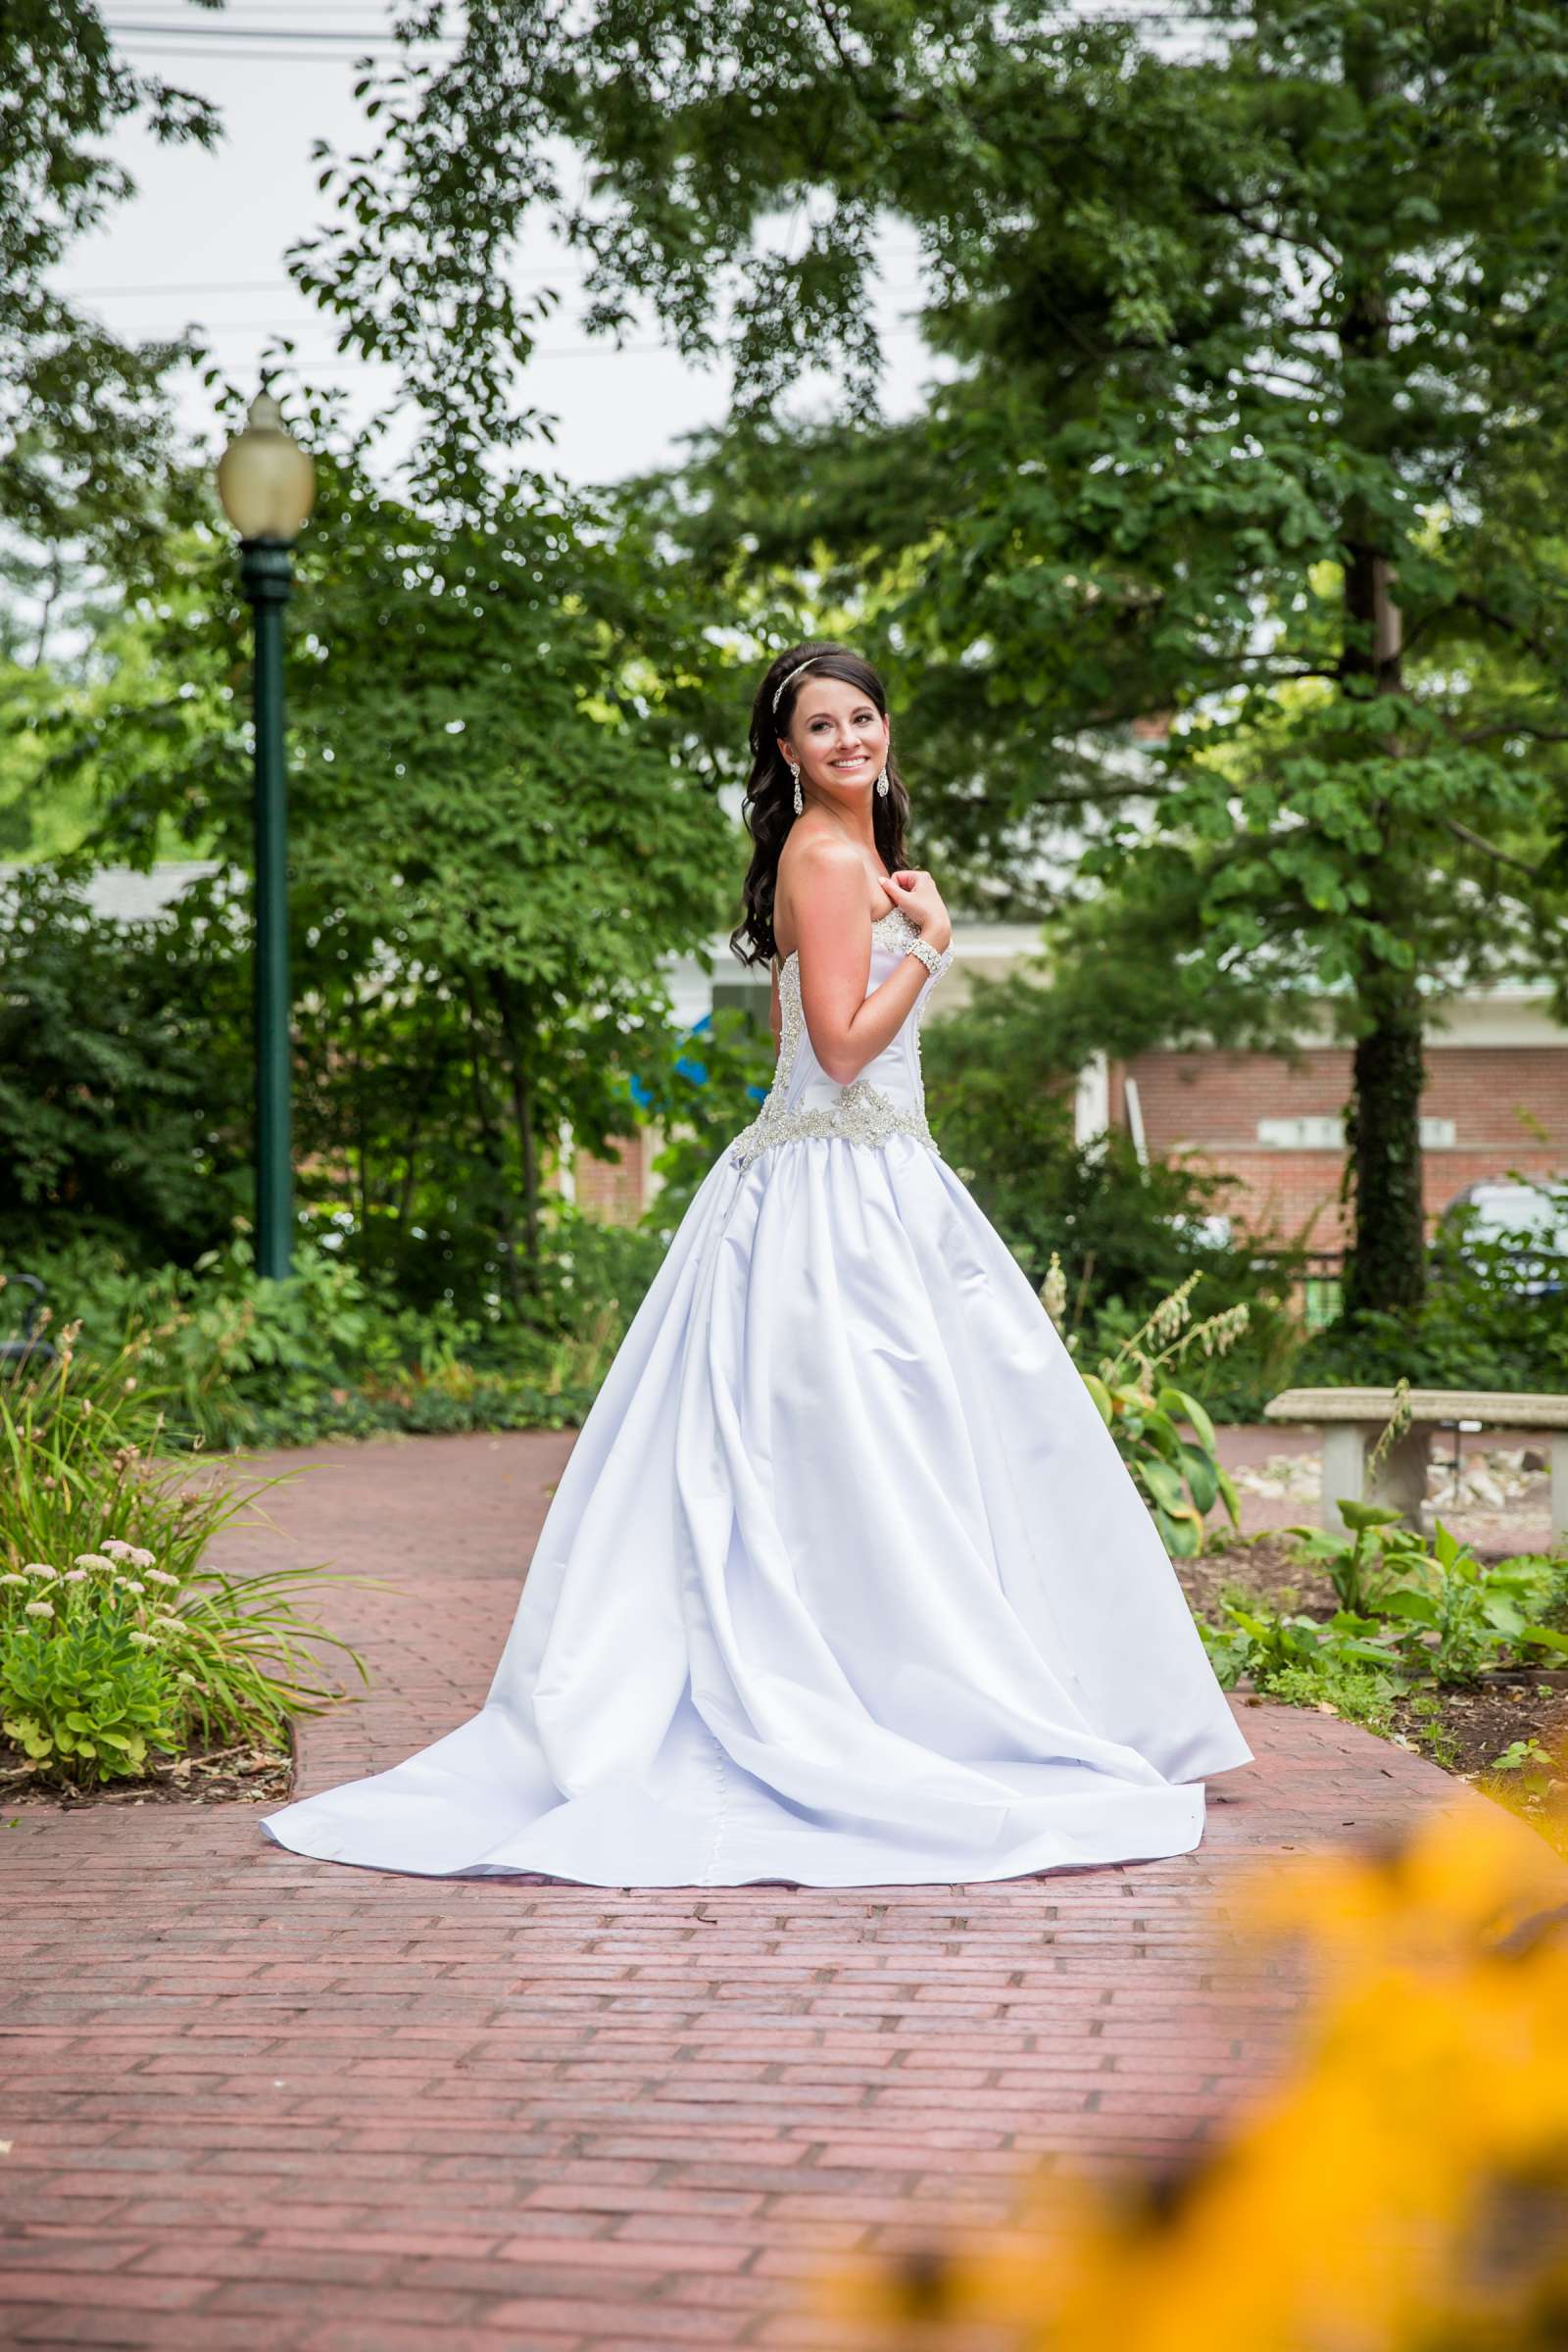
(846, 1027)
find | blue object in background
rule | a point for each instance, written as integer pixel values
(696, 1072)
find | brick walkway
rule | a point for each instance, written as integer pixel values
(254, 2101)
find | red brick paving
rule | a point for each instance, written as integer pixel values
(256, 2101)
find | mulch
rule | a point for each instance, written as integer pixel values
(216, 1776)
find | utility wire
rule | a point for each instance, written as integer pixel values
(311, 35)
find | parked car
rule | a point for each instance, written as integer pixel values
(1512, 1232)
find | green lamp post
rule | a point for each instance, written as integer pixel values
(267, 486)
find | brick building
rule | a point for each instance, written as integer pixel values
(1496, 1098)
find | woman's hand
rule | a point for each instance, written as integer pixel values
(913, 890)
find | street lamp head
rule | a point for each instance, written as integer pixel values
(264, 480)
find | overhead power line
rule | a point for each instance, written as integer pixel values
(380, 37)
(225, 35)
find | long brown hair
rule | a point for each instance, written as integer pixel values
(769, 806)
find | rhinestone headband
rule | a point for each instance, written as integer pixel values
(790, 680)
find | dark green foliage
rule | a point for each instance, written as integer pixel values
(1478, 1327)
(498, 837)
(122, 1076)
(1000, 1083)
(238, 1360)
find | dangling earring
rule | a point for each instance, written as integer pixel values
(799, 802)
(882, 781)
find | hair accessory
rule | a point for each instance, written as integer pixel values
(790, 680)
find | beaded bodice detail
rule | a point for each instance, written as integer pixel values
(802, 1103)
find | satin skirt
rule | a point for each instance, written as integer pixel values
(844, 1584)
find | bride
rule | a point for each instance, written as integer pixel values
(845, 1583)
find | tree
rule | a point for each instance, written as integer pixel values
(497, 837)
(1257, 397)
(84, 424)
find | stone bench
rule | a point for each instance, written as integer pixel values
(1354, 1419)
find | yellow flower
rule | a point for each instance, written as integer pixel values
(1405, 2186)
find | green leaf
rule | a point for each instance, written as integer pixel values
(1162, 1483)
(1203, 1477)
(1420, 1608)
(1359, 1516)
(1185, 1406)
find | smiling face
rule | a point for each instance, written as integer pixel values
(838, 736)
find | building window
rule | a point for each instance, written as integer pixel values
(1314, 1131)
(1324, 1131)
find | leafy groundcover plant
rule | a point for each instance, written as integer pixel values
(1416, 1616)
(117, 1637)
(242, 1362)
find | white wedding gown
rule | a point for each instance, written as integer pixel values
(845, 1583)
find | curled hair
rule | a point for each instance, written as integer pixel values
(769, 809)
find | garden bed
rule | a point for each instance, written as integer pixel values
(1464, 1729)
(244, 1775)
(1467, 1731)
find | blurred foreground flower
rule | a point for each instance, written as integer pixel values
(1404, 2189)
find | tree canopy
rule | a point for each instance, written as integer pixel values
(498, 832)
(84, 423)
(1256, 400)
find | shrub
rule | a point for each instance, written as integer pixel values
(1478, 1326)
(116, 1636)
(243, 1361)
(1126, 1231)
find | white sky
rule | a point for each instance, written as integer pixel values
(203, 242)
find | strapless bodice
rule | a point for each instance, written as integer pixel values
(887, 1096)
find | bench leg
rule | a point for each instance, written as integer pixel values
(1344, 1470)
(1560, 1486)
(1400, 1484)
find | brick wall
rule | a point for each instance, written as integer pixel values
(1508, 1103)
(618, 1195)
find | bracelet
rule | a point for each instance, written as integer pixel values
(934, 960)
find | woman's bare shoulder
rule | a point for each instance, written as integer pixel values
(814, 868)
(810, 852)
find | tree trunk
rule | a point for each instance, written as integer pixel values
(1383, 1178)
(1386, 1263)
(1386, 1267)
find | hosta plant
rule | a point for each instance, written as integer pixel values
(1177, 1470)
